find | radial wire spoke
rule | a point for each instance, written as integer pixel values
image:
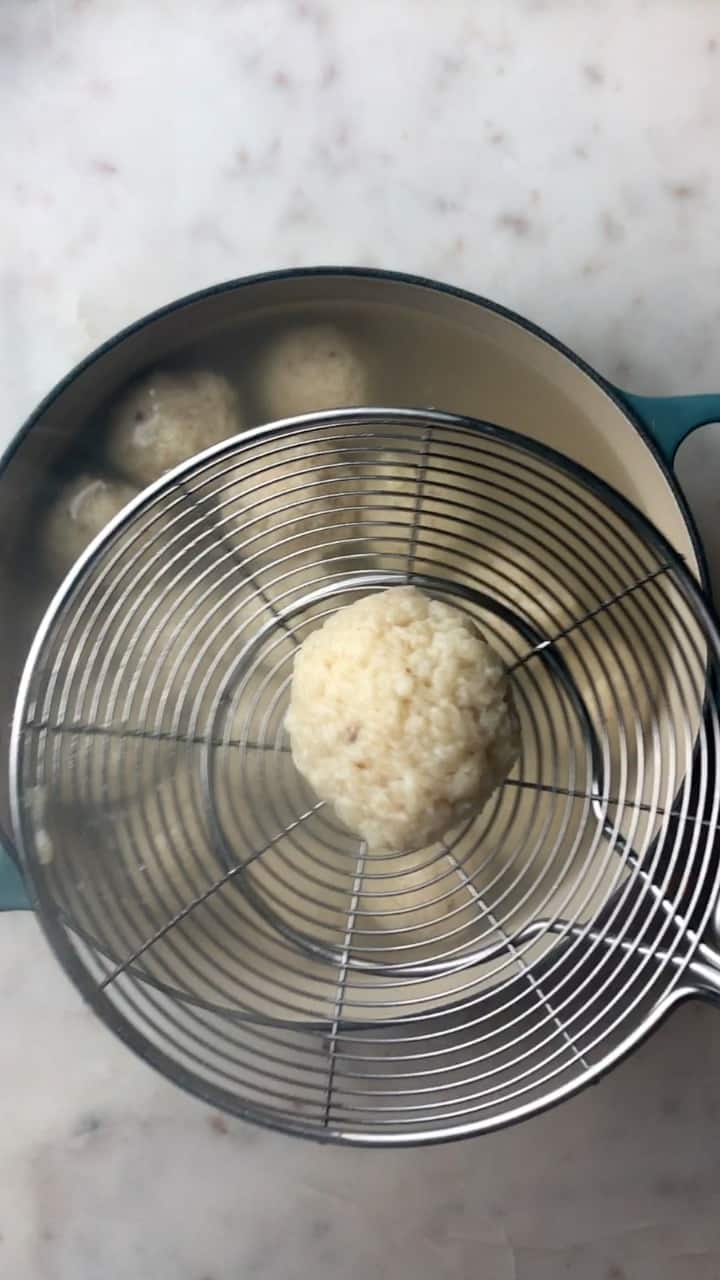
(207, 893)
(519, 959)
(342, 977)
(588, 617)
(629, 803)
(239, 559)
(152, 735)
(419, 494)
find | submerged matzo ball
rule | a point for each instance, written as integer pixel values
(311, 367)
(401, 717)
(167, 416)
(83, 508)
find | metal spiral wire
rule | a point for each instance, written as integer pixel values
(220, 918)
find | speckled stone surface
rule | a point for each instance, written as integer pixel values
(559, 157)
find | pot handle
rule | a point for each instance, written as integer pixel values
(669, 420)
(13, 895)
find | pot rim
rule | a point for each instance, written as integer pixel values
(396, 277)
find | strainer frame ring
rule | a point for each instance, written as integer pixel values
(56, 930)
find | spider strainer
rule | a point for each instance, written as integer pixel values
(211, 908)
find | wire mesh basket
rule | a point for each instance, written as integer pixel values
(223, 922)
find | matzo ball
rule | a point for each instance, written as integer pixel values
(311, 367)
(168, 416)
(295, 497)
(401, 718)
(84, 507)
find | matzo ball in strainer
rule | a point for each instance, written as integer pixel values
(401, 717)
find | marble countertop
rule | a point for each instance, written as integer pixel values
(559, 157)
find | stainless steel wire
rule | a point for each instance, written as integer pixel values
(219, 917)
